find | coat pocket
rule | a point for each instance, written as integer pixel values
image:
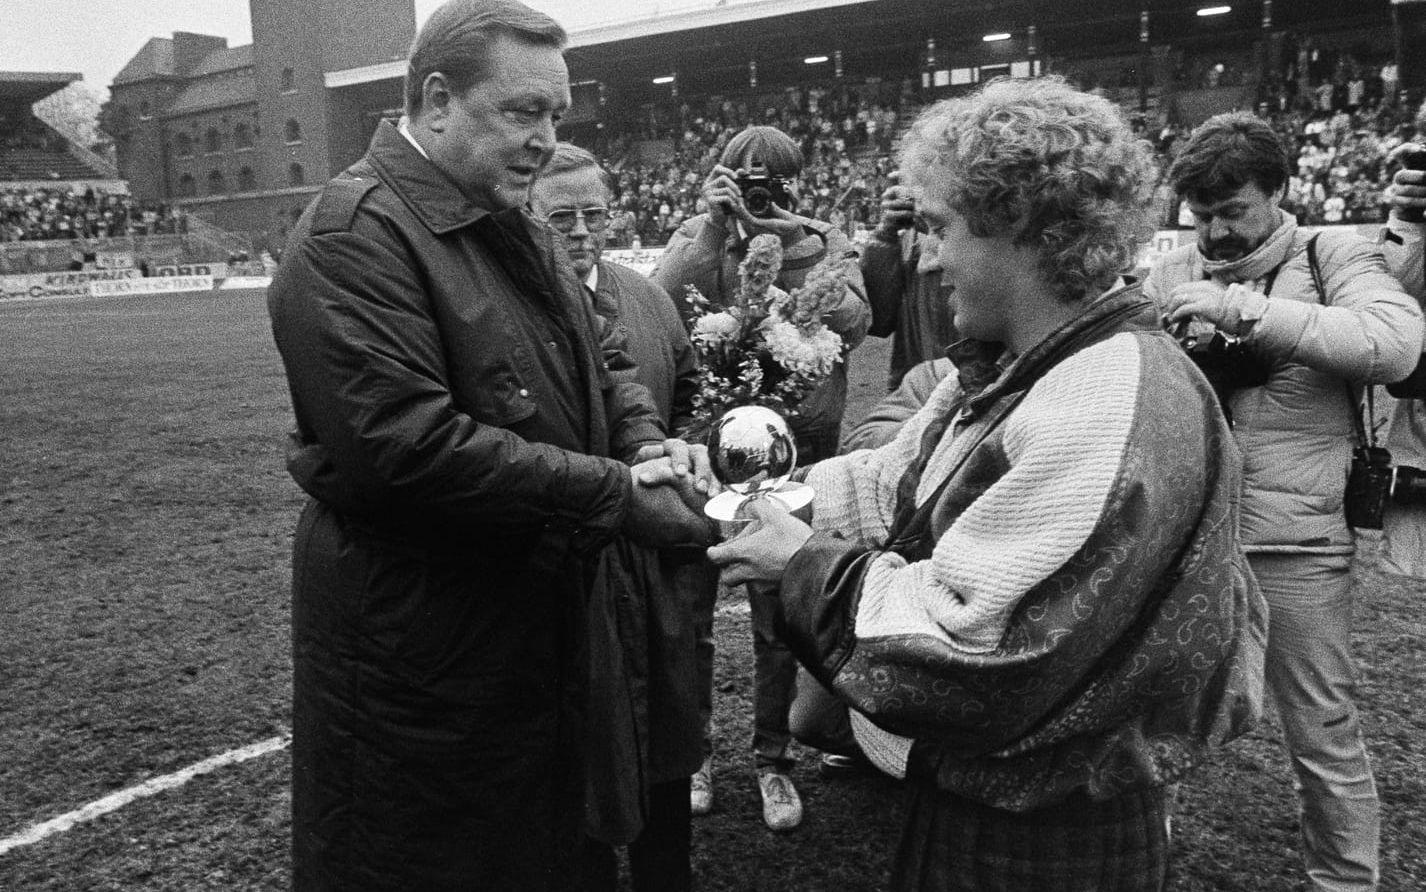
(502, 399)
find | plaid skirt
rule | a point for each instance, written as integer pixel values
(954, 844)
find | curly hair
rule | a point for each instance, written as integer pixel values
(1046, 165)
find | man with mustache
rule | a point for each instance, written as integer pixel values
(1250, 276)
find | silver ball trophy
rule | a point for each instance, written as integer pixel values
(753, 453)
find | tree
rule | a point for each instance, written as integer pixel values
(74, 112)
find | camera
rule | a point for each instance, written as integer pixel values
(1408, 485)
(1225, 361)
(1368, 487)
(761, 191)
(1374, 481)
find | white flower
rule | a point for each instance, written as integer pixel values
(812, 355)
(715, 329)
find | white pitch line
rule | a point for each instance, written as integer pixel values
(116, 801)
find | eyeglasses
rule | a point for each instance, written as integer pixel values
(595, 218)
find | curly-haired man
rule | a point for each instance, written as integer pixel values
(1033, 598)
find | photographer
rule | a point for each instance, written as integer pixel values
(1250, 277)
(907, 300)
(748, 193)
(1403, 240)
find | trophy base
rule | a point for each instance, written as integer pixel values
(725, 505)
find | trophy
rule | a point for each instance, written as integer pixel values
(753, 452)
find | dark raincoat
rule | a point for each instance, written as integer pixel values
(460, 438)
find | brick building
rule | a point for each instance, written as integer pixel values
(245, 136)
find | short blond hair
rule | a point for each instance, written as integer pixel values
(1045, 164)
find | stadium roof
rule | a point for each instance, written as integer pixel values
(888, 37)
(779, 34)
(28, 87)
(689, 19)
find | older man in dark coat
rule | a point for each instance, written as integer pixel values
(646, 693)
(463, 445)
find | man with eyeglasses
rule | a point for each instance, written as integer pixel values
(644, 736)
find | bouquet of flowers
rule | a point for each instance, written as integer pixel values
(768, 347)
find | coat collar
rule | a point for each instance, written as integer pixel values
(979, 362)
(430, 194)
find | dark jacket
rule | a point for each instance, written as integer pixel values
(880, 425)
(908, 306)
(461, 440)
(644, 726)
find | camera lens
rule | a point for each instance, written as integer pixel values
(758, 201)
(1408, 486)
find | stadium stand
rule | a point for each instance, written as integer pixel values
(850, 145)
(1331, 88)
(62, 206)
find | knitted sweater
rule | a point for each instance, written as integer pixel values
(1040, 583)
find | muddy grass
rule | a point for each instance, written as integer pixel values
(144, 526)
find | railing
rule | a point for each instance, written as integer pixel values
(189, 247)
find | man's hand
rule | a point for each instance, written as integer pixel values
(761, 553)
(1223, 307)
(898, 211)
(722, 195)
(784, 224)
(1408, 191)
(666, 515)
(687, 463)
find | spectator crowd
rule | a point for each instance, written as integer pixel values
(1339, 130)
(846, 136)
(33, 214)
(1340, 121)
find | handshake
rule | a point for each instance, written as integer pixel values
(672, 482)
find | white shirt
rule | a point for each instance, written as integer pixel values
(405, 128)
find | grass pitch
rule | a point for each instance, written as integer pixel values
(145, 522)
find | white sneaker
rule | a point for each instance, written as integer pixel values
(700, 789)
(782, 807)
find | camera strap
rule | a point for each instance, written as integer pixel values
(1366, 436)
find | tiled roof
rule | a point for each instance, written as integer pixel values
(215, 92)
(154, 60)
(225, 60)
